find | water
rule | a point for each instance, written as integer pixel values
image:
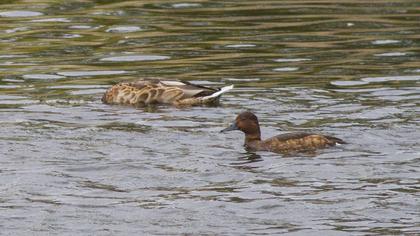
(74, 166)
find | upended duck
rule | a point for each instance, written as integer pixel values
(247, 122)
(154, 91)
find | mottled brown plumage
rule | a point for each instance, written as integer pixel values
(153, 91)
(247, 122)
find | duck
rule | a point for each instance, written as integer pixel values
(156, 91)
(247, 122)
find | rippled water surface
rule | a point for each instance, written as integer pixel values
(71, 165)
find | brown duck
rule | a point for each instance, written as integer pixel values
(247, 122)
(153, 91)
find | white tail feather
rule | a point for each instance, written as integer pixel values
(220, 92)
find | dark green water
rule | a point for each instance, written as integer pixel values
(71, 165)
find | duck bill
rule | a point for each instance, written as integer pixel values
(230, 128)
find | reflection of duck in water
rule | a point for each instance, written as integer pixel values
(247, 122)
(153, 91)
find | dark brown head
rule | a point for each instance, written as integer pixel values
(246, 122)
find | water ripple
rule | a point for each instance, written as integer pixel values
(91, 73)
(20, 14)
(135, 58)
(42, 76)
(123, 29)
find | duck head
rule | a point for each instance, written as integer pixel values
(246, 122)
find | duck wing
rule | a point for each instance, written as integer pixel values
(301, 141)
(141, 83)
(190, 90)
(290, 136)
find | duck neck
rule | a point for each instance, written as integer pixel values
(250, 138)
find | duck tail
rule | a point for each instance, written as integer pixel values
(335, 140)
(206, 100)
(218, 93)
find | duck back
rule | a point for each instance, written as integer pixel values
(299, 142)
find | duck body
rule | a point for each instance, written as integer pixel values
(247, 122)
(153, 91)
(290, 142)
